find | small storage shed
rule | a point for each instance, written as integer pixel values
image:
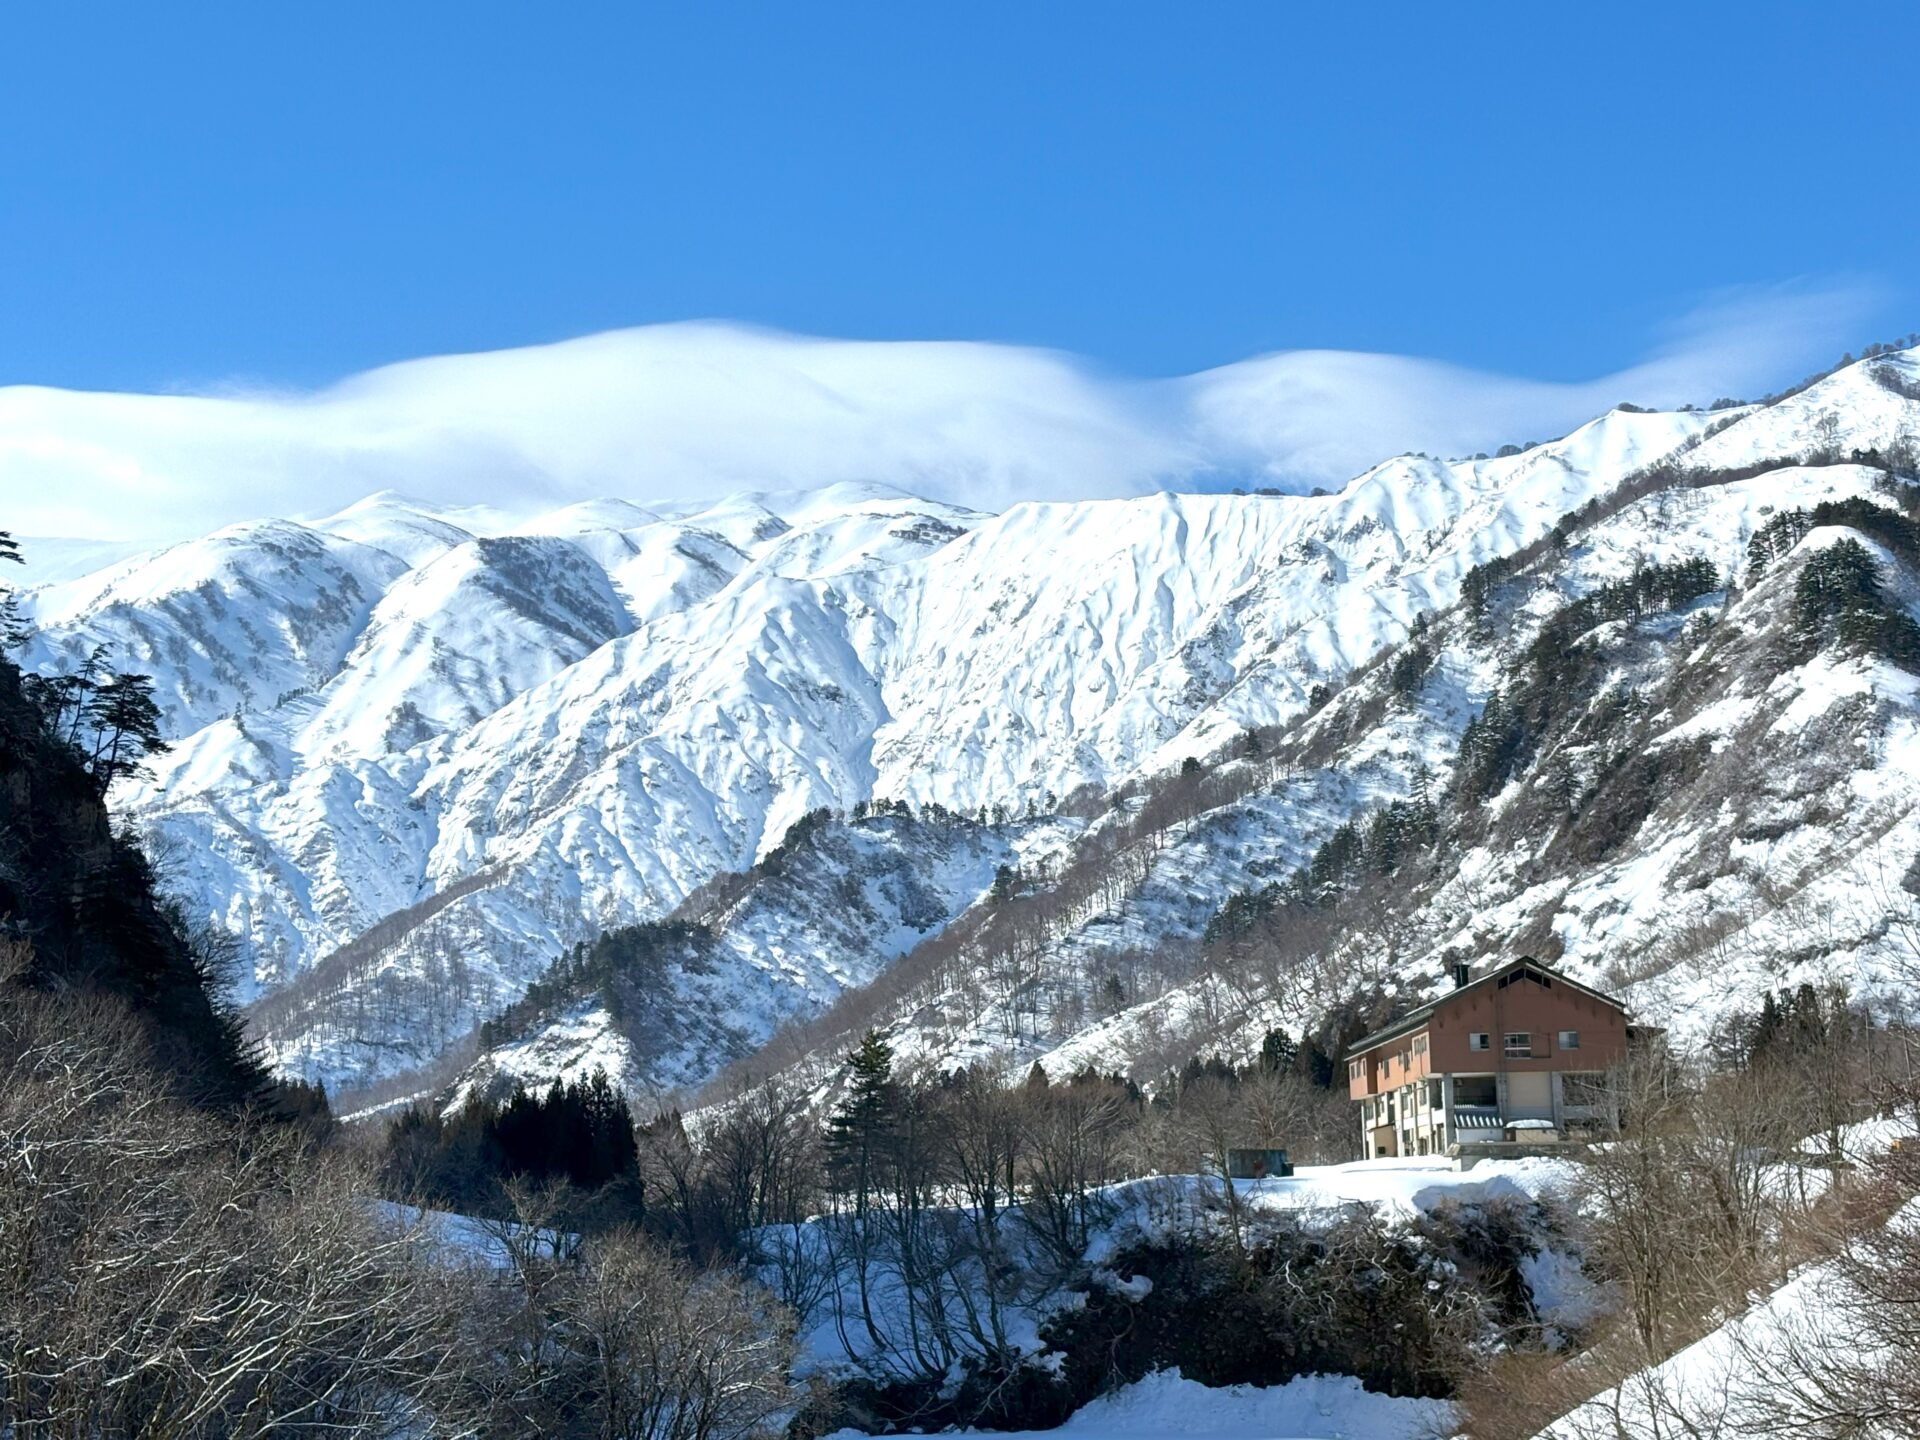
(1257, 1164)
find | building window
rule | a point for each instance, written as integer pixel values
(1569, 1039)
(1519, 1044)
(1477, 1040)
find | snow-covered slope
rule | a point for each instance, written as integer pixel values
(1727, 813)
(1819, 1355)
(835, 905)
(455, 639)
(231, 622)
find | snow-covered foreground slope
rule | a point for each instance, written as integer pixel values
(600, 710)
(1801, 1360)
(1722, 1387)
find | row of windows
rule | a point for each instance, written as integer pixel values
(1518, 1044)
(1515, 1045)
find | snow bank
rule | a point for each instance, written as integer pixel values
(1311, 1407)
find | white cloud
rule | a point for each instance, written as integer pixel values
(1324, 415)
(682, 411)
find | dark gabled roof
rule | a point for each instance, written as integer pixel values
(1414, 1019)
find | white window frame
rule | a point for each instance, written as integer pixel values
(1524, 1050)
(1569, 1039)
(1479, 1040)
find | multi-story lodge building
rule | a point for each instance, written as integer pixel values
(1520, 1053)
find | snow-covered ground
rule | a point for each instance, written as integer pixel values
(1403, 1187)
(458, 1239)
(1737, 1381)
(1167, 1406)
(1740, 1380)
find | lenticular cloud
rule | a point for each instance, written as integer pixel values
(694, 410)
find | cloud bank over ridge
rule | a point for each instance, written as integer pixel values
(692, 410)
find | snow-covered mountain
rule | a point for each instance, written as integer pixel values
(1697, 798)
(452, 744)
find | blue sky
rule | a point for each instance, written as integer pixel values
(285, 195)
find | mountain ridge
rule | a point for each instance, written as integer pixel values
(750, 669)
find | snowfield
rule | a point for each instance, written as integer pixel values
(1408, 1185)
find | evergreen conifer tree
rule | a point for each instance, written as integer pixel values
(14, 630)
(862, 1127)
(13, 620)
(126, 726)
(1278, 1053)
(1314, 1064)
(1766, 1030)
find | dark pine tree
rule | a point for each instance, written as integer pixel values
(14, 630)
(1313, 1064)
(1766, 1030)
(126, 726)
(1278, 1053)
(861, 1129)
